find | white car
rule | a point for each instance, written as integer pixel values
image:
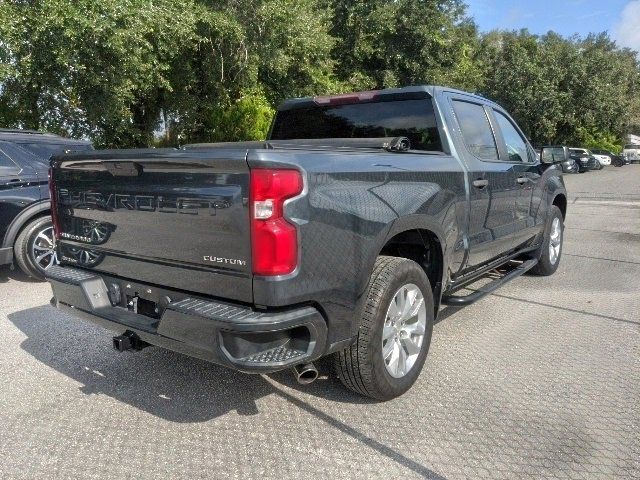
(632, 152)
(603, 159)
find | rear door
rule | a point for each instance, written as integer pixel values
(493, 188)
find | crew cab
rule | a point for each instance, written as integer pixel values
(342, 235)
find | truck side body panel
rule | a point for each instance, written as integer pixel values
(354, 204)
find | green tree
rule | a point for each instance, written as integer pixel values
(382, 43)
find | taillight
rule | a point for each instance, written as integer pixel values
(274, 241)
(53, 196)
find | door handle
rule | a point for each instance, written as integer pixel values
(522, 180)
(480, 183)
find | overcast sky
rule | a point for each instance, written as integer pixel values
(621, 18)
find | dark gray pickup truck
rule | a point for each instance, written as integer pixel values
(341, 235)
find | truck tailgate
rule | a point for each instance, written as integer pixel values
(168, 217)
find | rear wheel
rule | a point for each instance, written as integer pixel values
(551, 249)
(33, 249)
(394, 334)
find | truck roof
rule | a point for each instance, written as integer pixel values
(34, 136)
(417, 91)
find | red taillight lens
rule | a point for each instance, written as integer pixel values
(53, 195)
(274, 241)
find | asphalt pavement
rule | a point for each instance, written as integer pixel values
(540, 379)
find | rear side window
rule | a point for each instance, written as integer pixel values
(476, 129)
(414, 119)
(516, 145)
(46, 150)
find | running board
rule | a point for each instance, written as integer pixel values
(489, 287)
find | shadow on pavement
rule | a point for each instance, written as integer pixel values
(171, 386)
(7, 274)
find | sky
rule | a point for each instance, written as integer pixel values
(621, 18)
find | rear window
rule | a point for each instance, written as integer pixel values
(46, 150)
(414, 119)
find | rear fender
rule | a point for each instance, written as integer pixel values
(34, 210)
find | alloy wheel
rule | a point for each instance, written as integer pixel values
(404, 330)
(555, 241)
(43, 251)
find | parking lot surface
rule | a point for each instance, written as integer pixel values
(540, 379)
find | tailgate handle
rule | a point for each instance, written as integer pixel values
(480, 183)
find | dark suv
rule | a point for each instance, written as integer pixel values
(26, 235)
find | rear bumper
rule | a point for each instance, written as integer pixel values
(6, 255)
(231, 335)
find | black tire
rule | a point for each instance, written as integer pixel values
(23, 247)
(361, 366)
(546, 266)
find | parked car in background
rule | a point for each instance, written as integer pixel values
(632, 152)
(583, 159)
(603, 158)
(614, 159)
(568, 166)
(26, 233)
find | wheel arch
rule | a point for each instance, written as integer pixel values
(560, 201)
(33, 211)
(423, 246)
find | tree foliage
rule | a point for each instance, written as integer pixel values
(146, 72)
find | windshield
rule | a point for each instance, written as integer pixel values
(46, 150)
(414, 119)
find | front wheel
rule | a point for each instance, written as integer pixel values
(551, 249)
(33, 249)
(394, 334)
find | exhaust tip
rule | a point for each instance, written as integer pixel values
(306, 373)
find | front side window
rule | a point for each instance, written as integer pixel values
(476, 129)
(516, 145)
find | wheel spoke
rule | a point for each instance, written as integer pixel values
(416, 328)
(409, 300)
(46, 238)
(394, 358)
(394, 309)
(39, 258)
(388, 332)
(410, 346)
(417, 304)
(402, 361)
(387, 349)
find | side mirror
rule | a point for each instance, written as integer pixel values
(552, 155)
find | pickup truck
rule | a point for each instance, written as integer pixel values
(341, 235)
